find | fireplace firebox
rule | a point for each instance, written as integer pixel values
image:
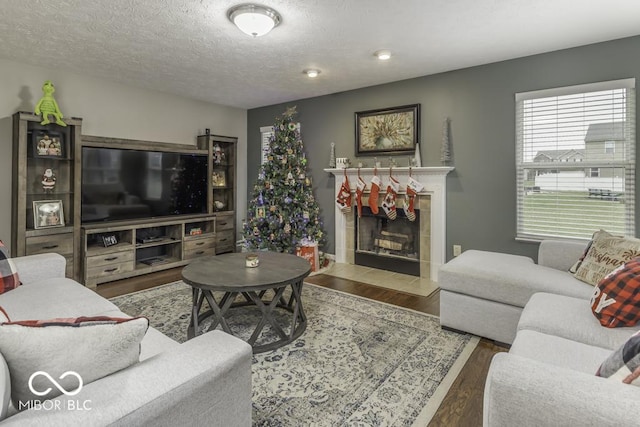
(386, 244)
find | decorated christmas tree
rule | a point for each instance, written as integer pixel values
(283, 212)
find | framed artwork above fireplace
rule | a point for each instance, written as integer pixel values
(392, 130)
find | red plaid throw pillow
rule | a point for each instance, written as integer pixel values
(616, 299)
(8, 275)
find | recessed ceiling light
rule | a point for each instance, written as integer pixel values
(254, 19)
(383, 55)
(312, 73)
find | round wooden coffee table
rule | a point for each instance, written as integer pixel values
(228, 275)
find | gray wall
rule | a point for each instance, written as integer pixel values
(112, 110)
(481, 191)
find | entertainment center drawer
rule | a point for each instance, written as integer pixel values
(224, 238)
(58, 243)
(223, 249)
(107, 270)
(224, 223)
(112, 258)
(198, 252)
(205, 243)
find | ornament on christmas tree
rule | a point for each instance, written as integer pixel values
(287, 228)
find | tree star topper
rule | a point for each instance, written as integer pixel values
(290, 112)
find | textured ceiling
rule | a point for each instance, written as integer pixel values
(188, 47)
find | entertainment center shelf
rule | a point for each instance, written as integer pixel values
(147, 246)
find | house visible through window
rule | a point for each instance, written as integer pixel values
(576, 146)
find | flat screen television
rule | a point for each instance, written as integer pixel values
(121, 184)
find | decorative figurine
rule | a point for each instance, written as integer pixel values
(218, 155)
(48, 181)
(48, 105)
(332, 156)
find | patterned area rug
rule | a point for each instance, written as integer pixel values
(359, 362)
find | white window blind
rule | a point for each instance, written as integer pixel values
(575, 160)
(267, 133)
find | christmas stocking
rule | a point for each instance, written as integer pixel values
(373, 195)
(409, 203)
(413, 188)
(344, 196)
(360, 187)
(389, 203)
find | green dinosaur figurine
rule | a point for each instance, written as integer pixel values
(48, 105)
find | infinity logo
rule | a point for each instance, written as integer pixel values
(55, 383)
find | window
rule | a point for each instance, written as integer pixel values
(266, 133)
(609, 147)
(593, 125)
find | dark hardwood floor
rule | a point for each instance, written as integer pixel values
(462, 405)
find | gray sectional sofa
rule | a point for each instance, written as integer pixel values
(548, 376)
(484, 293)
(204, 381)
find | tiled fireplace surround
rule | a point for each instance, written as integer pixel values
(431, 202)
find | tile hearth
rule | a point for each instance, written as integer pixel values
(384, 279)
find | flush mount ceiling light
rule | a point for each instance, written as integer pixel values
(383, 55)
(254, 19)
(312, 73)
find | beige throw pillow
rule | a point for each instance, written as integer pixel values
(66, 352)
(606, 253)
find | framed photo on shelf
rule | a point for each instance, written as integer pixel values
(218, 179)
(109, 240)
(392, 130)
(48, 143)
(48, 213)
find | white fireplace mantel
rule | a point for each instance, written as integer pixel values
(434, 180)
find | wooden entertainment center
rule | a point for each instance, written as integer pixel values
(103, 251)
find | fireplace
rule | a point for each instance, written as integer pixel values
(431, 203)
(392, 245)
